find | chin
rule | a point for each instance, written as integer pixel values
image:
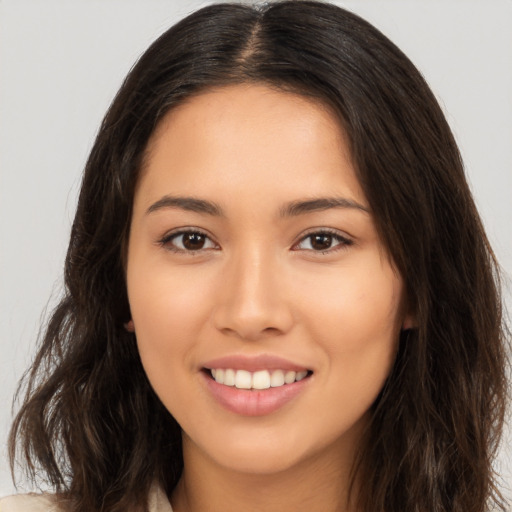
(260, 462)
(263, 451)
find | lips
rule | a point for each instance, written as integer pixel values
(254, 363)
(254, 386)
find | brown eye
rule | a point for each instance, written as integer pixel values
(193, 241)
(188, 241)
(321, 242)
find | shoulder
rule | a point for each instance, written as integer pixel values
(30, 503)
(158, 502)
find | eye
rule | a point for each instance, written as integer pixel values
(322, 241)
(188, 241)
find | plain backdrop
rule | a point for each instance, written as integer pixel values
(61, 62)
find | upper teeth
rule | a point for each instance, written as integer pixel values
(263, 379)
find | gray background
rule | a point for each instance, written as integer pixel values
(61, 62)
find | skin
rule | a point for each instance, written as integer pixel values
(259, 286)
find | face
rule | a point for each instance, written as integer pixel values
(265, 306)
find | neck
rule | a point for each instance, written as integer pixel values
(318, 483)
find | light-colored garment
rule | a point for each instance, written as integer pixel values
(158, 502)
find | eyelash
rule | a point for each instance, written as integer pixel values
(166, 241)
(343, 241)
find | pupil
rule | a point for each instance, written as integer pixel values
(321, 242)
(193, 241)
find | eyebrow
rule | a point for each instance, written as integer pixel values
(191, 204)
(316, 205)
(295, 208)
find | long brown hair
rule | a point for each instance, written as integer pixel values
(90, 421)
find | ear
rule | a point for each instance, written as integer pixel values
(409, 322)
(129, 326)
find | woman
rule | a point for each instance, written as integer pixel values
(279, 294)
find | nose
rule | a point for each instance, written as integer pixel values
(254, 299)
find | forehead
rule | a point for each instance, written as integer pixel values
(258, 101)
(250, 136)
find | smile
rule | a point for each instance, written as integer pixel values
(245, 387)
(262, 379)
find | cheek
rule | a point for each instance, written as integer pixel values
(356, 300)
(357, 321)
(164, 300)
(169, 309)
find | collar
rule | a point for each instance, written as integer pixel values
(158, 501)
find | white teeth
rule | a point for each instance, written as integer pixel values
(277, 378)
(301, 375)
(262, 379)
(219, 376)
(243, 379)
(229, 377)
(289, 377)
